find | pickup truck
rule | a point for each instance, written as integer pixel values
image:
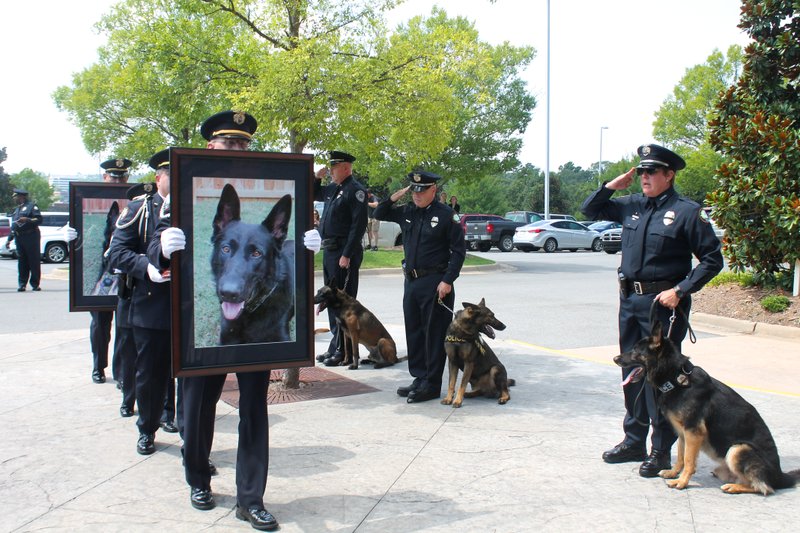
(499, 233)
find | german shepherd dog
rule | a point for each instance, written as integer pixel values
(253, 270)
(359, 326)
(707, 415)
(466, 351)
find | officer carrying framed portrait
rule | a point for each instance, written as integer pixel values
(241, 289)
(93, 211)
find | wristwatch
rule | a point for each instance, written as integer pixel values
(678, 291)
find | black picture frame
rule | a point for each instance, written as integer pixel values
(200, 182)
(91, 286)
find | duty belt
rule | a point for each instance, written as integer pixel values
(645, 287)
(332, 243)
(416, 273)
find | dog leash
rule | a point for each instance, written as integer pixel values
(439, 300)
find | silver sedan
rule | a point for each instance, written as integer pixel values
(552, 235)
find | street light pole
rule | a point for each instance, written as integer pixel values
(600, 162)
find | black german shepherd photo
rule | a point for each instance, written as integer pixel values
(467, 351)
(253, 271)
(359, 326)
(707, 415)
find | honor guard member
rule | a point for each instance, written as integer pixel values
(114, 171)
(344, 220)
(149, 313)
(661, 232)
(228, 130)
(433, 242)
(25, 222)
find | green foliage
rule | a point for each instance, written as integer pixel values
(480, 194)
(775, 303)
(392, 258)
(6, 189)
(697, 180)
(745, 279)
(756, 129)
(39, 189)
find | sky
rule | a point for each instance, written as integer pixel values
(612, 64)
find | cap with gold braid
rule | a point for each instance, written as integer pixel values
(421, 180)
(159, 159)
(116, 167)
(229, 124)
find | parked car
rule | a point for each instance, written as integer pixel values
(602, 225)
(465, 219)
(558, 216)
(611, 240)
(53, 245)
(5, 226)
(552, 235)
(526, 217)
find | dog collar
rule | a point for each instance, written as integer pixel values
(682, 379)
(478, 342)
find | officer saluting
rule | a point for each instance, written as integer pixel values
(149, 313)
(25, 222)
(433, 243)
(343, 223)
(662, 230)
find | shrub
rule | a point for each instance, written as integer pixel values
(775, 303)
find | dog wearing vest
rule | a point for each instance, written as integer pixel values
(467, 351)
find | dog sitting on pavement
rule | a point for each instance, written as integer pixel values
(707, 415)
(359, 326)
(467, 351)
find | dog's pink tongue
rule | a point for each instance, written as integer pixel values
(317, 313)
(232, 310)
(635, 372)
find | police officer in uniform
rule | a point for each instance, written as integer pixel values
(662, 230)
(344, 220)
(149, 313)
(433, 243)
(25, 222)
(228, 130)
(115, 171)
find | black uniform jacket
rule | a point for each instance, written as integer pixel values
(20, 229)
(345, 213)
(678, 229)
(150, 302)
(432, 238)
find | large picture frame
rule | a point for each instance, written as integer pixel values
(93, 211)
(242, 287)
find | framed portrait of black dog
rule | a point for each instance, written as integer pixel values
(93, 211)
(242, 287)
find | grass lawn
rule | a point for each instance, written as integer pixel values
(392, 259)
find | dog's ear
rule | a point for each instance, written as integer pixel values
(467, 304)
(277, 222)
(656, 335)
(482, 303)
(228, 209)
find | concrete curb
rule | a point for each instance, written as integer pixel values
(746, 327)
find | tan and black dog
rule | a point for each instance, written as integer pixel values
(707, 415)
(359, 326)
(466, 351)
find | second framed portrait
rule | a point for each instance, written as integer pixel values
(241, 288)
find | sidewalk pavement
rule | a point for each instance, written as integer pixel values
(373, 463)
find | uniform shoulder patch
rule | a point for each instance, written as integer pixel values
(360, 195)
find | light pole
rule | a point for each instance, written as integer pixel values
(600, 162)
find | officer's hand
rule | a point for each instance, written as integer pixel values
(172, 240)
(623, 181)
(321, 173)
(444, 289)
(70, 234)
(344, 262)
(312, 240)
(156, 276)
(399, 194)
(668, 298)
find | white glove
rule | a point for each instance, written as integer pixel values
(312, 240)
(172, 240)
(154, 275)
(69, 233)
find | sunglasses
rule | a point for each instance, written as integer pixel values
(649, 171)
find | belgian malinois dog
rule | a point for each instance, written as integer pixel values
(467, 351)
(359, 326)
(710, 416)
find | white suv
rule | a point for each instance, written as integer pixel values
(53, 245)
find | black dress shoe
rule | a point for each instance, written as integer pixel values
(403, 391)
(259, 518)
(202, 499)
(657, 461)
(422, 395)
(334, 360)
(125, 412)
(20, 289)
(321, 357)
(36, 289)
(212, 468)
(624, 453)
(145, 445)
(98, 376)
(169, 427)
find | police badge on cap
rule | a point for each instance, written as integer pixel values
(421, 180)
(117, 167)
(230, 125)
(654, 156)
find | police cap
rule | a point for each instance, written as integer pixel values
(160, 160)
(116, 167)
(421, 180)
(654, 156)
(20, 192)
(335, 156)
(139, 189)
(229, 124)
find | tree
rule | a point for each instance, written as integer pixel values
(37, 185)
(317, 74)
(6, 189)
(757, 200)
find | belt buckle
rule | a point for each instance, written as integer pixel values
(637, 287)
(414, 274)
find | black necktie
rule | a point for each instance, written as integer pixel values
(648, 208)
